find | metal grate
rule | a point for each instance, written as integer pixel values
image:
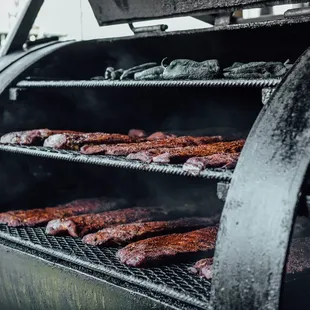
(113, 161)
(260, 83)
(173, 280)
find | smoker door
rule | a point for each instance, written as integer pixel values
(109, 12)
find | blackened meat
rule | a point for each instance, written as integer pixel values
(75, 141)
(30, 137)
(78, 226)
(124, 234)
(126, 149)
(203, 268)
(164, 248)
(36, 217)
(195, 165)
(180, 155)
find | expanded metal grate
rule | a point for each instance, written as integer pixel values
(102, 83)
(174, 280)
(113, 161)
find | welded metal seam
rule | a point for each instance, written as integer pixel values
(114, 273)
(218, 174)
(200, 83)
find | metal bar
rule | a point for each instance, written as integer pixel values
(259, 212)
(260, 83)
(19, 34)
(114, 161)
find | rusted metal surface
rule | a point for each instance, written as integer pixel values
(259, 211)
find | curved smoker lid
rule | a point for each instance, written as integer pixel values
(109, 12)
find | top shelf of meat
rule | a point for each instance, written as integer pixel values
(179, 73)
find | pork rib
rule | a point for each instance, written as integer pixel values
(195, 165)
(164, 248)
(78, 226)
(180, 155)
(124, 234)
(126, 149)
(75, 141)
(36, 217)
(31, 137)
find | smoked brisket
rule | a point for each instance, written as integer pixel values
(31, 137)
(78, 226)
(126, 149)
(127, 233)
(165, 248)
(36, 217)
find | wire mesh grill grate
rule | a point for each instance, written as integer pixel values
(113, 161)
(173, 280)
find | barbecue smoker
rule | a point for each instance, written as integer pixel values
(51, 85)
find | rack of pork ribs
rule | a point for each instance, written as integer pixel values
(195, 153)
(148, 235)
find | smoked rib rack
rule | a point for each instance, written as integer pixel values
(113, 161)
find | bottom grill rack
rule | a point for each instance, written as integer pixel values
(173, 281)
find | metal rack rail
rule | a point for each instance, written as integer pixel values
(258, 83)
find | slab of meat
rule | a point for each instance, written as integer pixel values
(124, 234)
(203, 268)
(36, 217)
(195, 165)
(78, 226)
(75, 141)
(180, 155)
(126, 149)
(30, 137)
(165, 248)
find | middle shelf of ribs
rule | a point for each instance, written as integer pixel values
(114, 161)
(256, 83)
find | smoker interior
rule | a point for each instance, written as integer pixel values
(31, 181)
